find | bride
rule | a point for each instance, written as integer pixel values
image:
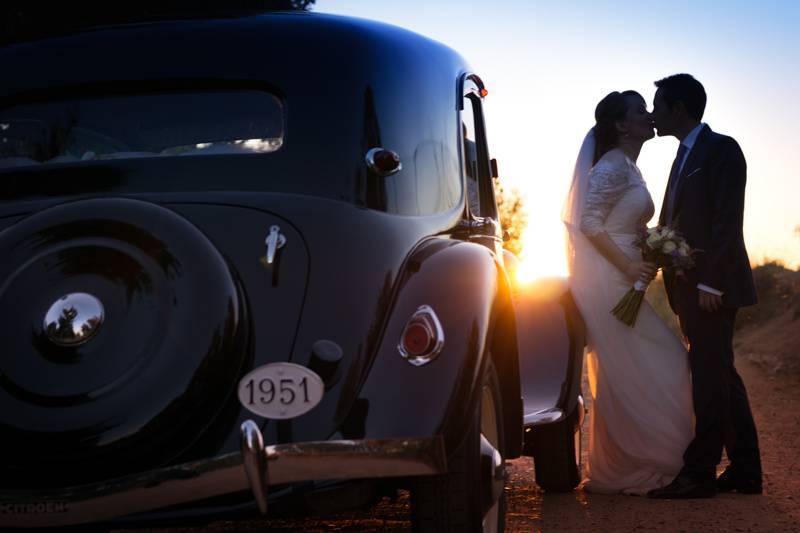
(642, 418)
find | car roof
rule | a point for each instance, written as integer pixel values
(255, 47)
(346, 85)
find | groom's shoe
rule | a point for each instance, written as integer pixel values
(684, 487)
(733, 480)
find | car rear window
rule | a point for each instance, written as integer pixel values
(143, 125)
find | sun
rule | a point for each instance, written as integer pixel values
(543, 254)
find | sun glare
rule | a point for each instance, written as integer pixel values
(543, 254)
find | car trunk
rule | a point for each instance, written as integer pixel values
(274, 292)
(341, 294)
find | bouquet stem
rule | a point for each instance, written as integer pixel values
(627, 309)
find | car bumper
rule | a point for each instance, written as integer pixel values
(255, 468)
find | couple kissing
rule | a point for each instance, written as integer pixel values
(663, 413)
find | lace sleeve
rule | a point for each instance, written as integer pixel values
(607, 184)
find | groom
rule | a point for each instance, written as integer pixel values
(705, 201)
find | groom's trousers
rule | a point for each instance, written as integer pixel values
(722, 410)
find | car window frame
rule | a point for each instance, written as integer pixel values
(472, 88)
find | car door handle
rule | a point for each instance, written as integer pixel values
(486, 226)
(482, 228)
(274, 241)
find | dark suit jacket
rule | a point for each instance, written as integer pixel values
(708, 211)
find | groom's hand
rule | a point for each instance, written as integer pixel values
(709, 302)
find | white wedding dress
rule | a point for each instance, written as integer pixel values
(642, 418)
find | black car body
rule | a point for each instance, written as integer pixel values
(213, 186)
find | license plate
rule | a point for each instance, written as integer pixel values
(281, 390)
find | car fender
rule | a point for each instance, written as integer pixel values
(459, 282)
(551, 348)
(505, 354)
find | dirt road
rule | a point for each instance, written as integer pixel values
(776, 405)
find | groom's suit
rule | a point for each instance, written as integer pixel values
(706, 198)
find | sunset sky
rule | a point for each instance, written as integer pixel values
(547, 64)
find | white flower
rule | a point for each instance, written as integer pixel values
(683, 250)
(652, 239)
(670, 234)
(668, 247)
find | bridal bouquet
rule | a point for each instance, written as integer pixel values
(664, 247)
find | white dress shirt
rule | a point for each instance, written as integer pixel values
(688, 142)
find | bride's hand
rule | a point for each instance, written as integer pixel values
(641, 271)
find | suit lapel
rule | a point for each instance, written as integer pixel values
(662, 217)
(694, 162)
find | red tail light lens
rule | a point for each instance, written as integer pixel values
(417, 338)
(422, 339)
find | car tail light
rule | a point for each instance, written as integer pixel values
(422, 339)
(417, 338)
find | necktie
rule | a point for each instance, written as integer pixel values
(674, 178)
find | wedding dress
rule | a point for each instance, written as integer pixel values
(642, 418)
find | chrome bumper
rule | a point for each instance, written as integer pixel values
(255, 468)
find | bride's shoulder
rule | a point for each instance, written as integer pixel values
(611, 162)
(614, 158)
(615, 162)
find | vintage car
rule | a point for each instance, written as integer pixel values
(251, 262)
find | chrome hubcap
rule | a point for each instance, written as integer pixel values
(74, 319)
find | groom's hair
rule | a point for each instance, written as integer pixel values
(684, 88)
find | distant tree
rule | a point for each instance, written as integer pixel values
(513, 217)
(303, 4)
(266, 5)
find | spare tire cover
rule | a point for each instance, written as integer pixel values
(162, 359)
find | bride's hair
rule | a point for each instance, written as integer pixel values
(608, 112)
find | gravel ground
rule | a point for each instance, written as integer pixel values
(774, 399)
